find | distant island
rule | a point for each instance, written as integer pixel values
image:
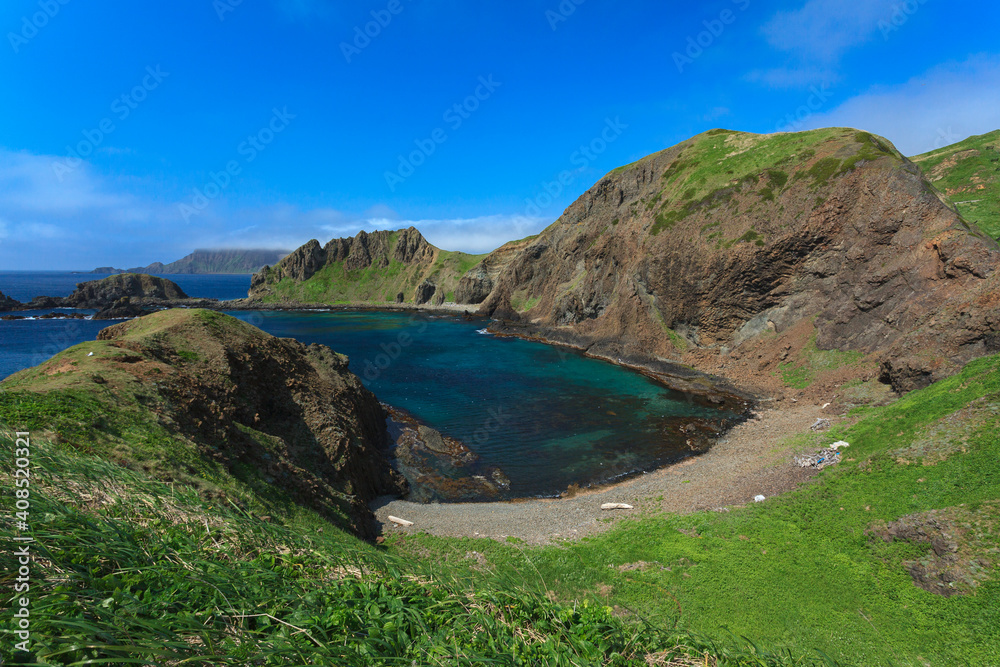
(209, 261)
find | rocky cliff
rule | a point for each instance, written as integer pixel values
(377, 267)
(710, 250)
(266, 410)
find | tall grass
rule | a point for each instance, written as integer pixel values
(129, 570)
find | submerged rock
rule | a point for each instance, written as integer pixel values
(438, 467)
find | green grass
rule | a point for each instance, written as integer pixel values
(334, 283)
(132, 571)
(802, 571)
(799, 373)
(970, 164)
(708, 170)
(521, 302)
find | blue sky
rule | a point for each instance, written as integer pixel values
(137, 132)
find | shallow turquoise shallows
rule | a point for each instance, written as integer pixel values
(548, 417)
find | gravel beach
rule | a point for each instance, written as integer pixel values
(753, 458)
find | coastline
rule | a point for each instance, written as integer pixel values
(754, 457)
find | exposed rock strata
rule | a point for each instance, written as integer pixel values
(872, 254)
(316, 431)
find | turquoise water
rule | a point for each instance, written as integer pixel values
(547, 416)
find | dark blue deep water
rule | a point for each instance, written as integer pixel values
(24, 285)
(546, 416)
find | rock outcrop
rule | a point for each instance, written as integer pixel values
(139, 288)
(122, 309)
(7, 303)
(101, 293)
(731, 237)
(286, 414)
(373, 267)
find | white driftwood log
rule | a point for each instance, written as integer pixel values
(401, 522)
(616, 506)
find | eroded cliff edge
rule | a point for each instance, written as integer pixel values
(712, 248)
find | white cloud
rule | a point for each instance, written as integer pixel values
(941, 106)
(824, 30)
(89, 220)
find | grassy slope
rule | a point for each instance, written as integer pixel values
(131, 571)
(714, 166)
(967, 171)
(333, 284)
(132, 568)
(800, 570)
(121, 418)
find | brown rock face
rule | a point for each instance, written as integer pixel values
(316, 431)
(425, 291)
(847, 233)
(366, 250)
(101, 293)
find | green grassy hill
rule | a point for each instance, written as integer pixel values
(968, 175)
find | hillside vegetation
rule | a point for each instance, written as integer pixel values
(968, 175)
(378, 268)
(891, 557)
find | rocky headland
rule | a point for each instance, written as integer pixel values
(382, 267)
(121, 296)
(742, 254)
(232, 400)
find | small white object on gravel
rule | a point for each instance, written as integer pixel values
(837, 445)
(759, 498)
(616, 506)
(401, 522)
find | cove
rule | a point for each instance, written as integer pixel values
(548, 417)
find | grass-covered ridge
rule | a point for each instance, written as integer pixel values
(890, 558)
(968, 175)
(130, 570)
(709, 170)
